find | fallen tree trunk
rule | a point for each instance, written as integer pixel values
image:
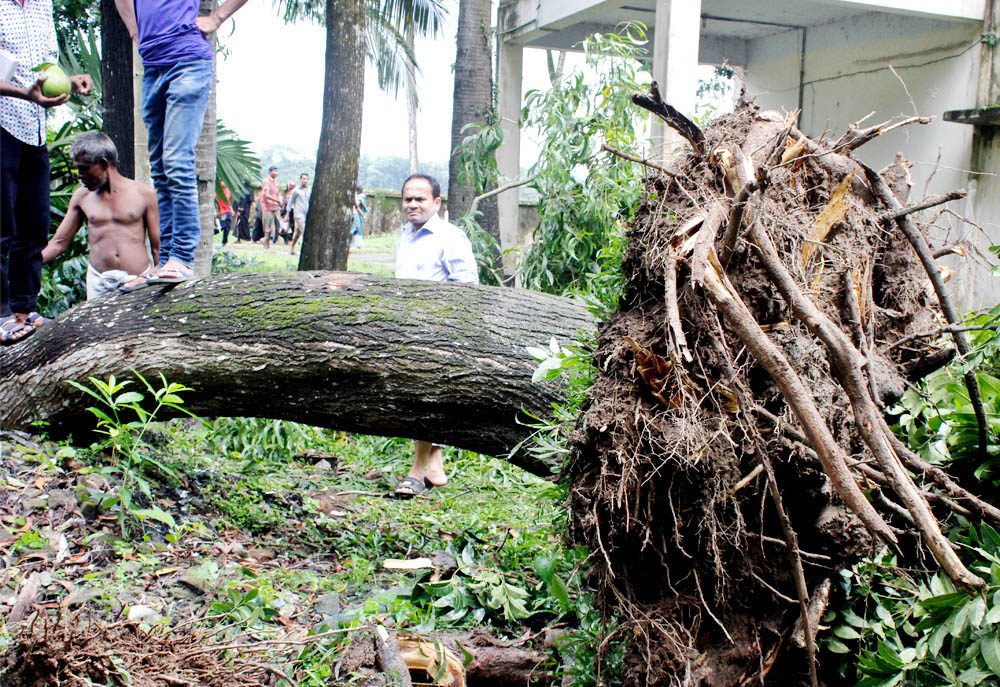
(365, 354)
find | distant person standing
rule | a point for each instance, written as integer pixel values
(432, 249)
(270, 205)
(298, 207)
(178, 75)
(28, 38)
(360, 211)
(241, 216)
(225, 211)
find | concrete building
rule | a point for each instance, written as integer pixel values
(837, 60)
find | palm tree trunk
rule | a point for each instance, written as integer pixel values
(205, 167)
(472, 103)
(411, 104)
(328, 223)
(116, 80)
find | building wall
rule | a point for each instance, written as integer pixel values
(846, 75)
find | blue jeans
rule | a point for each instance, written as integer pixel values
(173, 107)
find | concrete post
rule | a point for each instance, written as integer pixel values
(509, 154)
(675, 61)
(972, 285)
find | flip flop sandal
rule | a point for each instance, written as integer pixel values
(147, 276)
(183, 274)
(409, 487)
(36, 320)
(12, 331)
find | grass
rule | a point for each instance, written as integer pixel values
(376, 256)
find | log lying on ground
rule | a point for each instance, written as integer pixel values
(442, 362)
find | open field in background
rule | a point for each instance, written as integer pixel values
(376, 256)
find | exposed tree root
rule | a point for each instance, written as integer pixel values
(763, 302)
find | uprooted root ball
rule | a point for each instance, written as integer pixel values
(668, 482)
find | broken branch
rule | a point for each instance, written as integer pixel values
(673, 118)
(926, 203)
(632, 158)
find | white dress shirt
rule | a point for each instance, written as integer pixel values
(438, 251)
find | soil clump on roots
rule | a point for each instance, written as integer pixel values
(737, 412)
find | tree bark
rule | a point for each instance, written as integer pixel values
(472, 103)
(205, 168)
(412, 104)
(325, 244)
(425, 360)
(116, 86)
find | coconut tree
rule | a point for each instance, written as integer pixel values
(355, 30)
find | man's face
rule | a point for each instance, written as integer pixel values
(419, 205)
(304, 180)
(94, 176)
(274, 174)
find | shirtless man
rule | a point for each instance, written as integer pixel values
(120, 214)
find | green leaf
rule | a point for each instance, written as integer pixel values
(993, 616)
(853, 618)
(959, 621)
(467, 657)
(558, 589)
(129, 397)
(989, 649)
(837, 647)
(973, 676)
(157, 514)
(977, 610)
(846, 632)
(937, 639)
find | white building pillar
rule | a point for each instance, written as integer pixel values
(509, 154)
(675, 62)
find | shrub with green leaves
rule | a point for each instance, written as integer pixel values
(585, 196)
(264, 441)
(124, 417)
(908, 628)
(936, 417)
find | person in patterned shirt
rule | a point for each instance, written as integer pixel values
(28, 37)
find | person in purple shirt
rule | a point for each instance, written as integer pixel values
(178, 74)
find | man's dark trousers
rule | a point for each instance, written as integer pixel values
(24, 222)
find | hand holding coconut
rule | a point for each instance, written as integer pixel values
(54, 86)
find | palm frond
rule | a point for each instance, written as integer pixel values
(386, 23)
(236, 163)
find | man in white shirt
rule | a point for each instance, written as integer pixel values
(432, 249)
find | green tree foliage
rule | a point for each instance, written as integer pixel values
(385, 31)
(585, 196)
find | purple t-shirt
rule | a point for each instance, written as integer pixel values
(168, 34)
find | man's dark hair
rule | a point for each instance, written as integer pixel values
(435, 186)
(303, 175)
(272, 168)
(92, 147)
